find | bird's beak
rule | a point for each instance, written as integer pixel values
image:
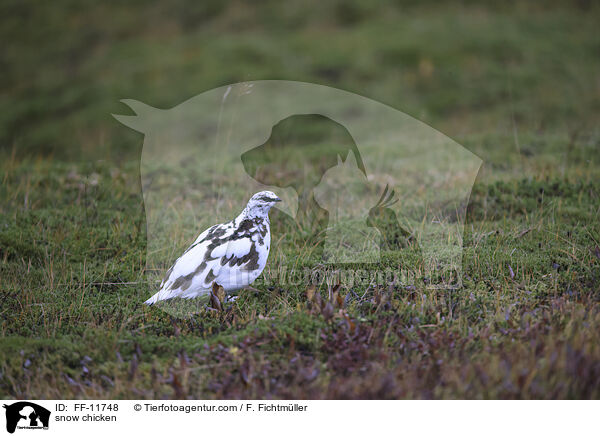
(276, 200)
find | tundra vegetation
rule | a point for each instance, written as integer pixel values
(517, 83)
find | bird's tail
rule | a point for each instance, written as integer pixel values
(160, 295)
(167, 294)
(150, 301)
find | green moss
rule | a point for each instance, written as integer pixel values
(515, 84)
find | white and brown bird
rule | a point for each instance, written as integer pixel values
(231, 254)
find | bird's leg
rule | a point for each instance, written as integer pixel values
(217, 297)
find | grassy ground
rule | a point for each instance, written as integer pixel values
(515, 84)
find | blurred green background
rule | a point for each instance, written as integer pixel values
(474, 70)
(516, 82)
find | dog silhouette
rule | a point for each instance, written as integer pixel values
(300, 149)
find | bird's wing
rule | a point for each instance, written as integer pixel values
(240, 263)
(190, 273)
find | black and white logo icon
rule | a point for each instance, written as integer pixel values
(26, 415)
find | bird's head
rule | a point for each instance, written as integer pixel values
(260, 204)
